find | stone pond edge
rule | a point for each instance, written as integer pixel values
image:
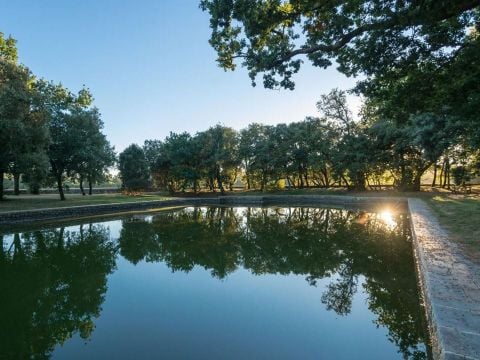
(449, 286)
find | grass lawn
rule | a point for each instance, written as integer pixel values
(460, 216)
(29, 202)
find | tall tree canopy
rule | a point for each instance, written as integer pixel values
(95, 154)
(134, 169)
(271, 37)
(69, 128)
(23, 135)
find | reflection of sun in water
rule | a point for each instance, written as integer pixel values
(387, 217)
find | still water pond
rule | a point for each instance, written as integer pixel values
(214, 283)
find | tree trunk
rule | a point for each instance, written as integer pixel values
(90, 187)
(441, 174)
(300, 178)
(81, 186)
(1, 185)
(342, 177)
(219, 181)
(290, 183)
(446, 173)
(60, 187)
(416, 182)
(325, 177)
(210, 183)
(403, 177)
(360, 181)
(434, 182)
(16, 184)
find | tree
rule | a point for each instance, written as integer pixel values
(321, 138)
(134, 170)
(8, 48)
(96, 155)
(247, 150)
(273, 37)
(182, 162)
(219, 147)
(153, 150)
(258, 148)
(23, 133)
(66, 114)
(351, 154)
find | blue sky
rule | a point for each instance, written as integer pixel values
(150, 67)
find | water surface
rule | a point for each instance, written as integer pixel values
(214, 283)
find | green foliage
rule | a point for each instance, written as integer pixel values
(74, 133)
(23, 132)
(273, 37)
(219, 154)
(134, 170)
(420, 67)
(461, 175)
(47, 130)
(8, 49)
(183, 161)
(95, 155)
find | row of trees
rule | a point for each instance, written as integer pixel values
(324, 151)
(47, 133)
(420, 70)
(418, 61)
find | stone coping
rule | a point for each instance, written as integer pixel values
(52, 214)
(450, 285)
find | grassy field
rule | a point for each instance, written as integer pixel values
(29, 202)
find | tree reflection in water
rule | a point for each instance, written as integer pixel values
(52, 286)
(318, 243)
(53, 282)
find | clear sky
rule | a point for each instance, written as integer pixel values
(150, 67)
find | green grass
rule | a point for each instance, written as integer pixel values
(460, 216)
(29, 202)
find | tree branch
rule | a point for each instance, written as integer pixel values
(416, 17)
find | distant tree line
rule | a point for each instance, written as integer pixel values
(47, 133)
(325, 151)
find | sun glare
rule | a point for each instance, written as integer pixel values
(387, 217)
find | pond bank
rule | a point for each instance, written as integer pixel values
(450, 285)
